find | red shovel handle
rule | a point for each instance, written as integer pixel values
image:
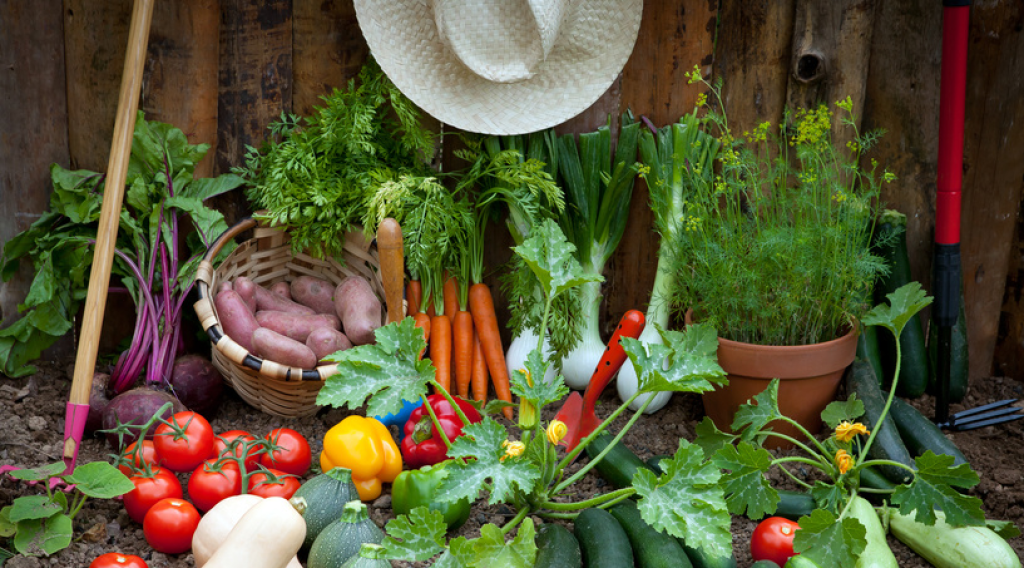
(631, 324)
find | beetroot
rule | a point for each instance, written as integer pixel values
(98, 401)
(137, 406)
(197, 383)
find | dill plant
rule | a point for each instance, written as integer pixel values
(775, 246)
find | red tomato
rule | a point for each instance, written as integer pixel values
(149, 456)
(184, 452)
(285, 487)
(773, 540)
(169, 526)
(221, 442)
(292, 454)
(149, 490)
(207, 487)
(118, 560)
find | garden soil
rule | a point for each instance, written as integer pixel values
(32, 422)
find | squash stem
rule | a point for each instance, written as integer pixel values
(625, 492)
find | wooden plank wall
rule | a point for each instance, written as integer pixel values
(224, 69)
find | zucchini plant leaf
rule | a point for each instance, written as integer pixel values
(682, 363)
(828, 542)
(541, 392)
(1005, 529)
(551, 257)
(756, 416)
(481, 444)
(41, 473)
(387, 373)
(7, 527)
(491, 549)
(904, 303)
(747, 490)
(33, 507)
(687, 501)
(710, 438)
(418, 536)
(840, 411)
(932, 488)
(100, 480)
(827, 495)
(48, 535)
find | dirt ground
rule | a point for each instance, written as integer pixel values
(32, 420)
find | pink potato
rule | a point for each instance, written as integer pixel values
(247, 290)
(281, 289)
(295, 326)
(236, 320)
(325, 341)
(269, 301)
(225, 285)
(316, 293)
(359, 309)
(275, 347)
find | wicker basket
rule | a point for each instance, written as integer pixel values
(267, 258)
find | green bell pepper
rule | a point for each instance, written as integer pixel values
(417, 488)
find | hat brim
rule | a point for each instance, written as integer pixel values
(592, 48)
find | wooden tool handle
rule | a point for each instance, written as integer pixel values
(113, 193)
(392, 267)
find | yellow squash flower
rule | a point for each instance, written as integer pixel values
(846, 431)
(844, 461)
(556, 431)
(512, 449)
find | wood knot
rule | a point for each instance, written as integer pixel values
(809, 67)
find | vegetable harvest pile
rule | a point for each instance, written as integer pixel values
(430, 415)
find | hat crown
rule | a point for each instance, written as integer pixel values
(503, 41)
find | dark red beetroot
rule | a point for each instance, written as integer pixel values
(137, 406)
(98, 401)
(197, 383)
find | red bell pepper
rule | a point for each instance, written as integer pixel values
(422, 444)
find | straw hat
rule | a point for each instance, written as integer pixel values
(501, 66)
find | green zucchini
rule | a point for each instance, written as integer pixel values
(701, 560)
(892, 246)
(794, 504)
(603, 542)
(764, 564)
(877, 553)
(651, 547)
(325, 496)
(343, 538)
(887, 444)
(557, 548)
(369, 556)
(619, 465)
(801, 561)
(921, 434)
(867, 349)
(948, 547)
(958, 357)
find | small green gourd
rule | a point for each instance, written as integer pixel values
(325, 496)
(343, 538)
(370, 556)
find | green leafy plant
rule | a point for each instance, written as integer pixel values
(529, 473)
(42, 524)
(774, 240)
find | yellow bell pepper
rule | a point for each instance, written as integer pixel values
(366, 447)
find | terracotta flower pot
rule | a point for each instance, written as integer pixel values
(808, 376)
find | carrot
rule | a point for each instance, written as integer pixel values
(481, 305)
(413, 295)
(462, 351)
(451, 298)
(441, 349)
(479, 374)
(422, 322)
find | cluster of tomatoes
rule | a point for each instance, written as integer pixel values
(217, 465)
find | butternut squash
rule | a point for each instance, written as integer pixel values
(218, 523)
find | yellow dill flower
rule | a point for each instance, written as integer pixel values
(846, 104)
(512, 449)
(702, 100)
(846, 431)
(556, 431)
(844, 461)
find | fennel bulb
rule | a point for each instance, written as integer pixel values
(657, 313)
(519, 349)
(579, 365)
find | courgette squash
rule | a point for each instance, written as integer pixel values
(959, 357)
(801, 561)
(619, 465)
(887, 444)
(342, 539)
(921, 434)
(867, 349)
(764, 564)
(794, 504)
(651, 547)
(877, 553)
(369, 556)
(948, 547)
(701, 560)
(892, 246)
(267, 536)
(556, 548)
(603, 542)
(325, 496)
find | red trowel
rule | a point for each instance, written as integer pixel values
(578, 412)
